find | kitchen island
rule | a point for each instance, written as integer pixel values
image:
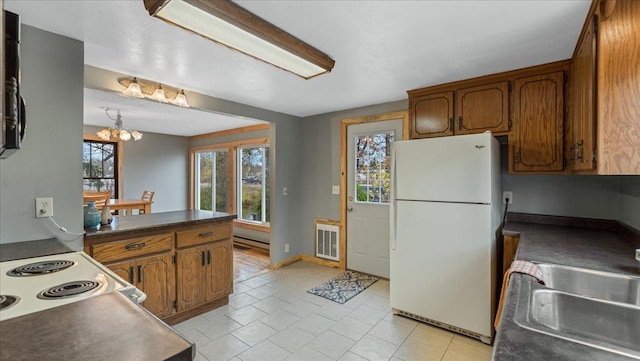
(609, 249)
(104, 327)
(182, 260)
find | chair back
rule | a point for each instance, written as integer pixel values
(147, 195)
(101, 198)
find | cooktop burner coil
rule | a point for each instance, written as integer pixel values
(68, 289)
(8, 301)
(40, 268)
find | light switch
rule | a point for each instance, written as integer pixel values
(335, 190)
(284, 191)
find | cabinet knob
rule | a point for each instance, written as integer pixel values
(139, 274)
(202, 254)
(460, 122)
(451, 126)
(131, 271)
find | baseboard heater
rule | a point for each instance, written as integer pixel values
(248, 242)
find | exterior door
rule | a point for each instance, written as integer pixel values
(369, 194)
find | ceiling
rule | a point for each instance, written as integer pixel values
(381, 49)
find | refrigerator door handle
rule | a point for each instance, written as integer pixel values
(392, 209)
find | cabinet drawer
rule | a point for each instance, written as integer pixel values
(113, 251)
(202, 235)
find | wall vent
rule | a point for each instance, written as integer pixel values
(327, 240)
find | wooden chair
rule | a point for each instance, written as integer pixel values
(146, 196)
(101, 198)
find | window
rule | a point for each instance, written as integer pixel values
(100, 166)
(212, 180)
(253, 184)
(373, 158)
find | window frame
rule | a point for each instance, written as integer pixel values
(231, 147)
(119, 160)
(196, 178)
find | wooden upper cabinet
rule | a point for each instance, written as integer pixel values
(482, 108)
(537, 139)
(431, 115)
(582, 101)
(618, 89)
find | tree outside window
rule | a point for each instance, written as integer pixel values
(99, 164)
(212, 180)
(253, 176)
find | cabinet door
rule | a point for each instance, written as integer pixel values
(126, 270)
(220, 262)
(582, 125)
(156, 277)
(431, 115)
(483, 108)
(537, 144)
(192, 277)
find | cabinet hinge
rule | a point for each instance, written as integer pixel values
(173, 259)
(593, 156)
(510, 123)
(175, 304)
(595, 25)
(509, 87)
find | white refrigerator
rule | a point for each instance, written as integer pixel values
(445, 211)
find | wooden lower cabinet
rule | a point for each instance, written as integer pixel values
(183, 271)
(204, 273)
(155, 276)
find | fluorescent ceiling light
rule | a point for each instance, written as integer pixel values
(231, 25)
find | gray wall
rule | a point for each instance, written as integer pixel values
(50, 161)
(562, 195)
(159, 163)
(630, 200)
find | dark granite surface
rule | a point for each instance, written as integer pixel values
(21, 250)
(156, 221)
(596, 249)
(102, 328)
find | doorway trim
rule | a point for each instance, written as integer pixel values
(404, 115)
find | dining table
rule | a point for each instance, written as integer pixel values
(125, 206)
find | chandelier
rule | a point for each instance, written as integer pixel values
(140, 88)
(118, 132)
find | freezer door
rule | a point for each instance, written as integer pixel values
(448, 169)
(441, 267)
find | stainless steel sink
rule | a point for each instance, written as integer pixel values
(602, 285)
(611, 325)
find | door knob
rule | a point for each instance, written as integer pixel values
(350, 209)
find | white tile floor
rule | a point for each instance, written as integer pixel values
(272, 317)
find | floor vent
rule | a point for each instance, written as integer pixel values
(327, 240)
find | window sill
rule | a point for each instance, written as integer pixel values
(262, 227)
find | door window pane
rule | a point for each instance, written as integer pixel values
(373, 161)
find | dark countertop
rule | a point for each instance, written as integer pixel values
(156, 221)
(21, 250)
(603, 250)
(106, 327)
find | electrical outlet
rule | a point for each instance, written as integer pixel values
(44, 207)
(507, 195)
(286, 248)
